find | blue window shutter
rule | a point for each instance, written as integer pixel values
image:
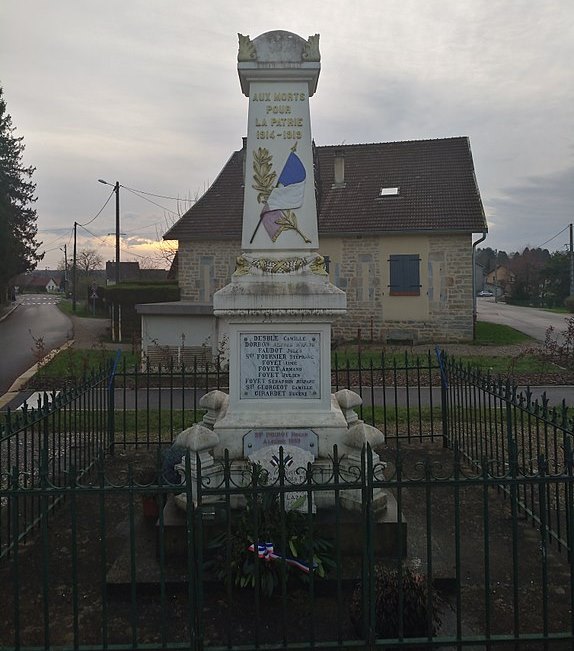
(404, 275)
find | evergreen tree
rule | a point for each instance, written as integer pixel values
(18, 229)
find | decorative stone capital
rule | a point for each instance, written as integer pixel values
(278, 55)
(279, 46)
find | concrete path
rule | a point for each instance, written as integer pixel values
(530, 320)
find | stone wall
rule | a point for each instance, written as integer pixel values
(360, 266)
(198, 280)
(442, 312)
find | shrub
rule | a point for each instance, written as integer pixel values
(569, 303)
(558, 347)
(386, 593)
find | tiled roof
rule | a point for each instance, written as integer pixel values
(219, 212)
(435, 178)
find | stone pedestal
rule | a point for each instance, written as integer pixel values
(280, 304)
(280, 369)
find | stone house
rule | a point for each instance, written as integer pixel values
(501, 280)
(396, 222)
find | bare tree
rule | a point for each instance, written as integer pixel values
(88, 260)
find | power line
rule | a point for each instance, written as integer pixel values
(160, 196)
(143, 228)
(150, 201)
(46, 250)
(99, 211)
(94, 235)
(123, 248)
(552, 238)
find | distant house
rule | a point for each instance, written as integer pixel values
(395, 223)
(40, 280)
(52, 286)
(501, 280)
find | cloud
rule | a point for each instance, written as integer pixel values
(540, 207)
(147, 93)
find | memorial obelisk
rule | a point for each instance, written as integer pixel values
(279, 305)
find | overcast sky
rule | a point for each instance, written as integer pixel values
(147, 93)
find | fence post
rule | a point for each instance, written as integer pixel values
(112, 402)
(443, 396)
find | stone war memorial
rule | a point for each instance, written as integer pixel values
(279, 306)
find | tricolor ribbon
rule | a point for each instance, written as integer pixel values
(266, 552)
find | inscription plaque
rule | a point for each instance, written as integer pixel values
(256, 439)
(284, 365)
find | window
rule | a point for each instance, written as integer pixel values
(389, 192)
(405, 275)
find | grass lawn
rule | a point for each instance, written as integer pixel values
(495, 334)
(507, 365)
(487, 334)
(557, 310)
(83, 310)
(153, 425)
(74, 362)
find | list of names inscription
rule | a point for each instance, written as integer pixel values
(280, 365)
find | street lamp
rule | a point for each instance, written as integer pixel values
(116, 187)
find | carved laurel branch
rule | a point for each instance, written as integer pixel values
(288, 222)
(264, 177)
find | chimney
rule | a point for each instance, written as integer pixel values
(339, 171)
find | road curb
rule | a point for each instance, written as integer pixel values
(5, 316)
(20, 381)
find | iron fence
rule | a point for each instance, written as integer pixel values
(447, 565)
(487, 418)
(66, 429)
(480, 473)
(401, 395)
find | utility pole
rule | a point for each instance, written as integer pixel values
(117, 191)
(74, 275)
(571, 261)
(116, 308)
(116, 314)
(495, 276)
(65, 249)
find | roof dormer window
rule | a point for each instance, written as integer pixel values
(389, 192)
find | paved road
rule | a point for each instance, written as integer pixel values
(188, 398)
(530, 320)
(37, 317)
